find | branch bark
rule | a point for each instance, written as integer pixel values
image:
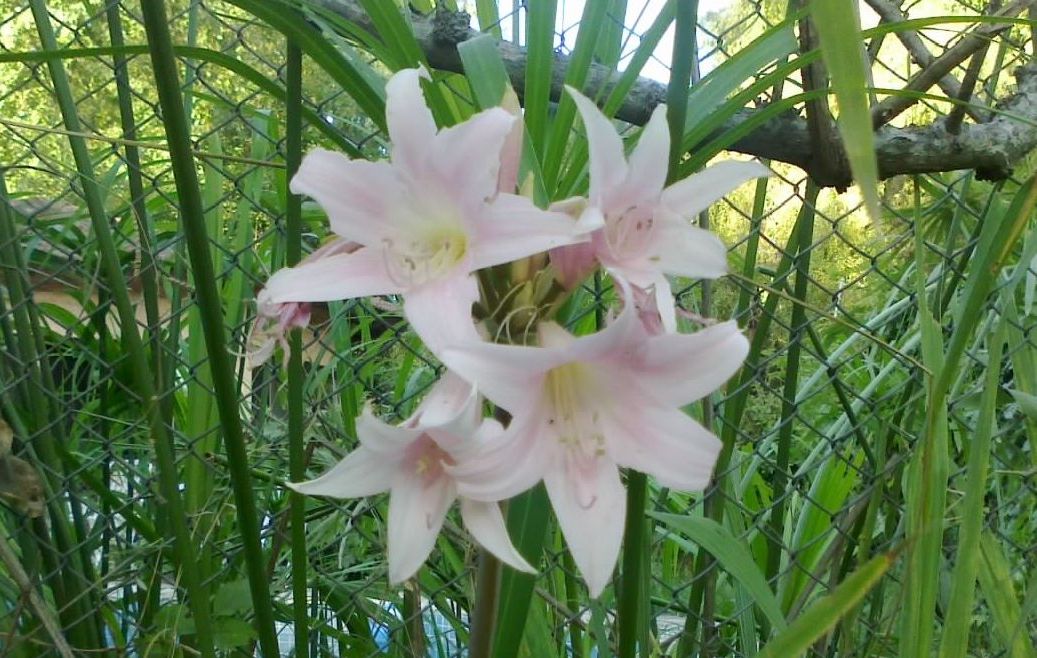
(970, 44)
(990, 148)
(889, 12)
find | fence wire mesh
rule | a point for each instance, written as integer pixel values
(824, 422)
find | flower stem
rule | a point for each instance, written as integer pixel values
(487, 593)
(631, 609)
(163, 62)
(296, 374)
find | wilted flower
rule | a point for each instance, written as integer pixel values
(582, 407)
(648, 231)
(275, 320)
(410, 461)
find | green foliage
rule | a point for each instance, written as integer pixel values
(890, 399)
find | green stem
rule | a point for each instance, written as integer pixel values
(789, 409)
(735, 406)
(955, 639)
(135, 181)
(197, 599)
(179, 137)
(487, 592)
(296, 376)
(631, 610)
(572, 602)
(40, 435)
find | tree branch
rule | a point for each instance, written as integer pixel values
(889, 12)
(990, 148)
(971, 43)
(828, 154)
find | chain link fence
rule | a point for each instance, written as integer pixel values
(824, 421)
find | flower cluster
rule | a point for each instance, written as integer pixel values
(482, 270)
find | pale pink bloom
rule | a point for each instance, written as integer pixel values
(427, 220)
(582, 407)
(649, 230)
(511, 151)
(275, 320)
(575, 262)
(647, 308)
(409, 461)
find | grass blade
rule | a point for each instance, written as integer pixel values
(485, 70)
(995, 578)
(287, 20)
(489, 17)
(813, 624)
(732, 555)
(209, 303)
(118, 288)
(528, 516)
(839, 31)
(540, 33)
(958, 619)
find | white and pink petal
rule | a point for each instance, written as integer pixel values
(357, 195)
(648, 165)
(677, 369)
(412, 129)
(690, 196)
(486, 524)
(682, 249)
(513, 227)
(590, 503)
(664, 443)
(341, 276)
(440, 312)
(360, 473)
(470, 152)
(417, 510)
(608, 165)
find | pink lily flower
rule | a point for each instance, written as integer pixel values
(648, 230)
(410, 461)
(427, 220)
(583, 407)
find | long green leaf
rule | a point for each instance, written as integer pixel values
(995, 578)
(815, 623)
(287, 20)
(528, 516)
(489, 17)
(396, 34)
(485, 70)
(926, 482)
(732, 555)
(223, 60)
(117, 287)
(708, 94)
(209, 303)
(540, 32)
(591, 24)
(958, 619)
(839, 30)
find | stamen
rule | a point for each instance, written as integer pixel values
(424, 258)
(628, 231)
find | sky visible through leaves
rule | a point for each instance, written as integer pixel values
(639, 17)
